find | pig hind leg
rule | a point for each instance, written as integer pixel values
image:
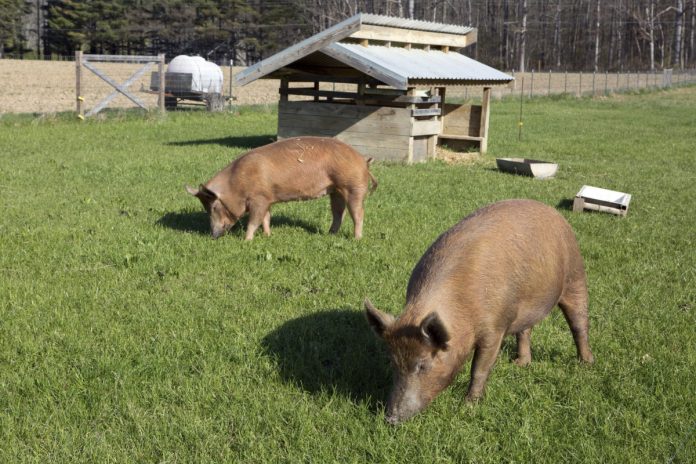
(573, 303)
(524, 347)
(338, 208)
(356, 209)
(484, 357)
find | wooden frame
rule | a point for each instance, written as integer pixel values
(86, 61)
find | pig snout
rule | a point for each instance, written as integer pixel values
(405, 401)
(218, 231)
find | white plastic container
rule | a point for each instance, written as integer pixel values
(206, 77)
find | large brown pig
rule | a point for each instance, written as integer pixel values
(499, 271)
(300, 168)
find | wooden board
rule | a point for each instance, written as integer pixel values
(462, 120)
(412, 36)
(336, 118)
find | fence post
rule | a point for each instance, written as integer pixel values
(78, 84)
(594, 77)
(548, 92)
(580, 86)
(160, 93)
(531, 86)
(565, 82)
(618, 83)
(606, 82)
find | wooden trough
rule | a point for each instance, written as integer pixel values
(599, 199)
(527, 167)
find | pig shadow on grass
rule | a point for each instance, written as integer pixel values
(199, 222)
(186, 221)
(248, 142)
(332, 351)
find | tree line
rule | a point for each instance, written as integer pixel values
(573, 35)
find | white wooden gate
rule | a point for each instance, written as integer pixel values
(87, 61)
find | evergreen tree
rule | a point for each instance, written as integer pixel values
(11, 37)
(66, 26)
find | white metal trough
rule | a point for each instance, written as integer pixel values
(527, 167)
(599, 199)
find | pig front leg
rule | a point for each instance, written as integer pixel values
(267, 223)
(258, 212)
(486, 353)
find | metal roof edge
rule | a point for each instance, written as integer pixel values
(372, 69)
(415, 24)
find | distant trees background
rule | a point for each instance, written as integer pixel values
(512, 34)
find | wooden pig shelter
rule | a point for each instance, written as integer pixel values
(378, 83)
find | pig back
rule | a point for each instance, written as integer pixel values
(299, 168)
(506, 262)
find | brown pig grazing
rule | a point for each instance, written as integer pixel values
(499, 271)
(300, 168)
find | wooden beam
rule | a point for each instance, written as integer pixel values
(395, 34)
(121, 58)
(416, 112)
(299, 50)
(485, 111)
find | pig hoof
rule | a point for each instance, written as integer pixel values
(473, 398)
(392, 420)
(522, 362)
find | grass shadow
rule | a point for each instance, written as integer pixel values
(565, 204)
(186, 221)
(248, 142)
(540, 352)
(332, 350)
(199, 222)
(281, 220)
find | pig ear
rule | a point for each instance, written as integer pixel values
(434, 331)
(378, 320)
(201, 192)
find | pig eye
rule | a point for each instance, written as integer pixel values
(422, 366)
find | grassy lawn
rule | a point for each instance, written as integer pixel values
(128, 335)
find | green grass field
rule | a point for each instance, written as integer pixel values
(128, 335)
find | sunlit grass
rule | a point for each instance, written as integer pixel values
(128, 335)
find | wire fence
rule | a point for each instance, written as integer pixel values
(37, 86)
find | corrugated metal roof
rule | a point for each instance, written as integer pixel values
(398, 66)
(403, 23)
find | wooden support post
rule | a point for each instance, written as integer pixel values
(316, 90)
(442, 91)
(160, 92)
(485, 111)
(78, 84)
(411, 92)
(284, 90)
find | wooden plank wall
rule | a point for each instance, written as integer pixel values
(383, 133)
(462, 120)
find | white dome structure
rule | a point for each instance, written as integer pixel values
(206, 76)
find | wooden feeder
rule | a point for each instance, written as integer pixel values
(527, 167)
(599, 199)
